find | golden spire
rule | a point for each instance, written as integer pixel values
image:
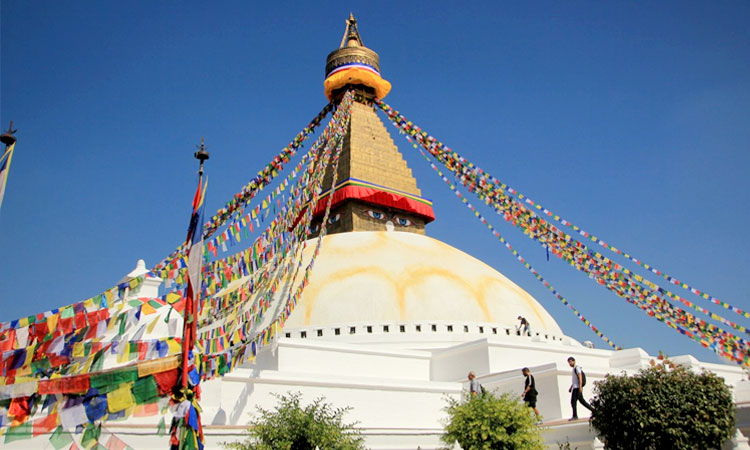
(353, 64)
(351, 36)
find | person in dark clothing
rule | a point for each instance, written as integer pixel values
(576, 389)
(529, 391)
(523, 326)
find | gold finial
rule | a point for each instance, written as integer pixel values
(351, 36)
(351, 50)
(353, 64)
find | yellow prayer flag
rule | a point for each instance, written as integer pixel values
(121, 398)
(88, 303)
(112, 322)
(52, 321)
(125, 354)
(78, 350)
(158, 365)
(147, 309)
(172, 297)
(152, 325)
(87, 364)
(173, 346)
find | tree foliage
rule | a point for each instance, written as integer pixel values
(291, 426)
(491, 422)
(663, 406)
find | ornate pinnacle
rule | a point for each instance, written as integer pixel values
(201, 155)
(8, 138)
(351, 36)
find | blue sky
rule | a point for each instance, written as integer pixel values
(629, 119)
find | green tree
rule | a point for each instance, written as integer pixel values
(291, 426)
(491, 422)
(663, 406)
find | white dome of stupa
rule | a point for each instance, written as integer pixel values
(380, 276)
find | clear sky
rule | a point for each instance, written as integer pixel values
(627, 118)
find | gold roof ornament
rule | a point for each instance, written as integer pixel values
(354, 64)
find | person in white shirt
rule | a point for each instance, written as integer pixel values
(576, 389)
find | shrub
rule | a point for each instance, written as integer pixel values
(491, 422)
(664, 406)
(291, 426)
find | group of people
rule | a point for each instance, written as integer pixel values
(530, 393)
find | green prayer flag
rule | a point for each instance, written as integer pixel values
(109, 381)
(18, 433)
(122, 319)
(98, 361)
(40, 365)
(145, 390)
(161, 430)
(60, 438)
(91, 435)
(189, 439)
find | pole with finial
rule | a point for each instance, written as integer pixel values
(201, 155)
(190, 392)
(9, 139)
(193, 243)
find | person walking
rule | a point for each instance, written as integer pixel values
(576, 389)
(474, 386)
(529, 391)
(523, 326)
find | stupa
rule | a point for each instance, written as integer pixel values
(392, 320)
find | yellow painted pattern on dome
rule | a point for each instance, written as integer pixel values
(370, 276)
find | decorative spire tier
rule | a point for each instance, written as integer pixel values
(353, 64)
(375, 189)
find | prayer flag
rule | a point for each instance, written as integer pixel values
(19, 432)
(60, 438)
(44, 425)
(91, 435)
(161, 429)
(121, 398)
(115, 443)
(4, 168)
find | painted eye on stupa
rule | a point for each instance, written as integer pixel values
(314, 228)
(334, 219)
(401, 221)
(377, 215)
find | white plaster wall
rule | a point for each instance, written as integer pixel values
(352, 360)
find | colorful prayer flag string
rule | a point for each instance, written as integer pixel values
(518, 256)
(633, 288)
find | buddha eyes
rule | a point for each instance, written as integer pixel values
(334, 219)
(377, 215)
(314, 228)
(402, 221)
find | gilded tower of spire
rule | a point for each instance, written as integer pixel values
(375, 189)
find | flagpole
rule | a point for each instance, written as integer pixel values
(189, 329)
(9, 139)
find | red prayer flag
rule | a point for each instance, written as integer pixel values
(19, 409)
(44, 425)
(66, 385)
(165, 381)
(115, 443)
